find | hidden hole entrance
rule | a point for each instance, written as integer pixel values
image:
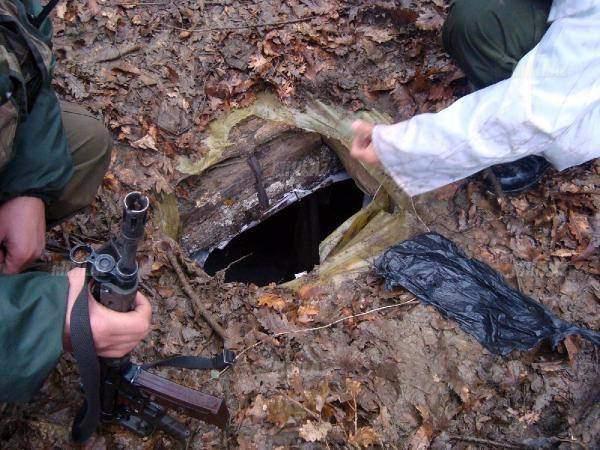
(287, 243)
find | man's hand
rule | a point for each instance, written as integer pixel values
(22, 233)
(362, 145)
(115, 334)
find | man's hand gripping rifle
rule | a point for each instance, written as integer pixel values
(117, 390)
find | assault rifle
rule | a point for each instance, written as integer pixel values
(117, 390)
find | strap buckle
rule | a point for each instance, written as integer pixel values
(228, 357)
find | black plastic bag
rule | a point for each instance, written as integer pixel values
(473, 294)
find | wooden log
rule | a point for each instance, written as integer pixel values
(259, 173)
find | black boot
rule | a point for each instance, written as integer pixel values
(520, 175)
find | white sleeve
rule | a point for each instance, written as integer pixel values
(548, 107)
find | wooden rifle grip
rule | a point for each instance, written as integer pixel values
(205, 407)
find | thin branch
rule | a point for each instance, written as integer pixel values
(197, 305)
(245, 27)
(475, 440)
(412, 203)
(313, 414)
(322, 327)
(526, 444)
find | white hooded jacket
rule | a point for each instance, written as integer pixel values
(550, 106)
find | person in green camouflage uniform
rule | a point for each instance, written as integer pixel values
(53, 157)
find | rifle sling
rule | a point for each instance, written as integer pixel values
(37, 21)
(217, 362)
(82, 341)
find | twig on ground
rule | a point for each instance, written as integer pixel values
(117, 53)
(475, 440)
(412, 203)
(322, 327)
(235, 262)
(245, 27)
(542, 442)
(355, 407)
(493, 179)
(313, 414)
(197, 306)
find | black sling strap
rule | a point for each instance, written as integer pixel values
(37, 21)
(217, 362)
(84, 352)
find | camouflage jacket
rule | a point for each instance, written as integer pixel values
(34, 157)
(34, 161)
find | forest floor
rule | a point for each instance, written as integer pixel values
(402, 377)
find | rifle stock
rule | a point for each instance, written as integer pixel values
(193, 403)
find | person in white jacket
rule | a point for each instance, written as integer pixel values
(536, 64)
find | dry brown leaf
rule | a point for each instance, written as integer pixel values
(525, 247)
(309, 291)
(421, 439)
(306, 313)
(259, 64)
(280, 411)
(364, 437)
(404, 102)
(579, 226)
(258, 411)
(430, 20)
(564, 253)
(61, 10)
(272, 301)
(379, 35)
(572, 345)
(353, 387)
(147, 142)
(126, 67)
(313, 431)
(164, 291)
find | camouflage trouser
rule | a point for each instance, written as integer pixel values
(90, 145)
(487, 38)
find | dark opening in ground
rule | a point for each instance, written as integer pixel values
(287, 243)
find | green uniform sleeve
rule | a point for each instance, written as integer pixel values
(41, 165)
(32, 316)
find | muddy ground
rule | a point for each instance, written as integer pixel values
(402, 377)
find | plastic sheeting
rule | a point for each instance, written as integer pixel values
(474, 295)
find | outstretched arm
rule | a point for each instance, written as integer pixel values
(548, 107)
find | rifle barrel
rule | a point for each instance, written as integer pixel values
(135, 212)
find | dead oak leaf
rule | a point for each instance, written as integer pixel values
(281, 411)
(307, 313)
(364, 437)
(579, 226)
(430, 21)
(147, 142)
(525, 247)
(313, 431)
(353, 387)
(573, 346)
(272, 301)
(421, 439)
(379, 35)
(259, 64)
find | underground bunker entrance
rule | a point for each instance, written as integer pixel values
(287, 243)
